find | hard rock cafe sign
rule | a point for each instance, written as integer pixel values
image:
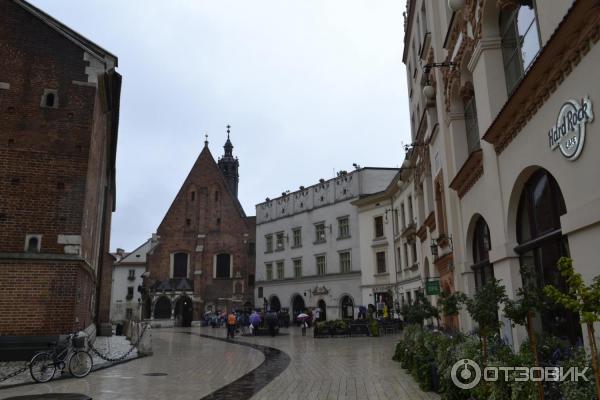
(569, 132)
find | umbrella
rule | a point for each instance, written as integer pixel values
(302, 316)
(255, 319)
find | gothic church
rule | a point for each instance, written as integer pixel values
(204, 259)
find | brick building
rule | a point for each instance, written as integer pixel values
(204, 259)
(59, 112)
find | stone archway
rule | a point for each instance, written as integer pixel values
(184, 311)
(347, 307)
(323, 307)
(274, 303)
(298, 306)
(162, 308)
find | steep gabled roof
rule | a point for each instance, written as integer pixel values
(81, 41)
(138, 256)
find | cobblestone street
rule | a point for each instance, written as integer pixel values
(197, 366)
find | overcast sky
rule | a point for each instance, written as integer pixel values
(308, 86)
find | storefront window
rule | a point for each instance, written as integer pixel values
(541, 244)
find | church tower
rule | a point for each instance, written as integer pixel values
(229, 166)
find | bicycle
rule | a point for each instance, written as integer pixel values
(69, 352)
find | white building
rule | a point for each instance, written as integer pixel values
(126, 301)
(307, 245)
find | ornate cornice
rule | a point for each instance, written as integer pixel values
(572, 40)
(468, 174)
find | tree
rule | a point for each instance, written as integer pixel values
(583, 299)
(483, 308)
(522, 311)
(450, 303)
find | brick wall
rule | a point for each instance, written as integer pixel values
(56, 176)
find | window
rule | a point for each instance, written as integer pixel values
(128, 313)
(251, 248)
(297, 234)
(269, 243)
(129, 293)
(414, 252)
(343, 228)
(396, 221)
(411, 216)
(471, 126)
(32, 243)
(193, 196)
(439, 207)
(399, 254)
(180, 265)
(251, 280)
(269, 271)
(321, 265)
(409, 297)
(541, 244)
(403, 212)
(405, 255)
(279, 241)
(49, 98)
(280, 273)
(379, 227)
(216, 195)
(260, 292)
(345, 262)
(223, 266)
(131, 275)
(520, 41)
(381, 267)
(320, 233)
(188, 222)
(298, 268)
(482, 268)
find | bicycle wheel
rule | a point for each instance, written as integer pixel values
(80, 364)
(42, 367)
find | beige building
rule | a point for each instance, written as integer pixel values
(502, 95)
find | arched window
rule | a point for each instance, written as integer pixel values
(50, 100)
(33, 244)
(223, 266)
(180, 265)
(541, 244)
(347, 306)
(520, 41)
(484, 271)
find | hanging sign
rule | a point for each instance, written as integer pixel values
(432, 288)
(569, 132)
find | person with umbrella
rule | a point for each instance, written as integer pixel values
(254, 322)
(272, 321)
(302, 317)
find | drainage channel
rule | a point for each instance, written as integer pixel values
(276, 361)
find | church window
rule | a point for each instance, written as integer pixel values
(216, 195)
(193, 196)
(223, 266)
(180, 265)
(33, 243)
(188, 222)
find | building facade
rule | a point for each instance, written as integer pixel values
(59, 94)
(392, 270)
(203, 260)
(127, 279)
(502, 96)
(308, 247)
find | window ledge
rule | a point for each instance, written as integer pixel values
(381, 274)
(296, 247)
(468, 174)
(343, 237)
(268, 251)
(320, 242)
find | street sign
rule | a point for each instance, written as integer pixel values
(432, 288)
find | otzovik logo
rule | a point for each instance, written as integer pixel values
(569, 132)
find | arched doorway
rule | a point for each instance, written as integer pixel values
(347, 306)
(184, 311)
(483, 270)
(275, 304)
(162, 308)
(541, 244)
(298, 306)
(323, 307)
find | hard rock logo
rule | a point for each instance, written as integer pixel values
(569, 132)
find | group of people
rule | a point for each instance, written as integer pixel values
(245, 321)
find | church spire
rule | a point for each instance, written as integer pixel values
(229, 165)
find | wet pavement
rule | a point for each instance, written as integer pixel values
(198, 363)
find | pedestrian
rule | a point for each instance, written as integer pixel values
(317, 314)
(304, 326)
(231, 322)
